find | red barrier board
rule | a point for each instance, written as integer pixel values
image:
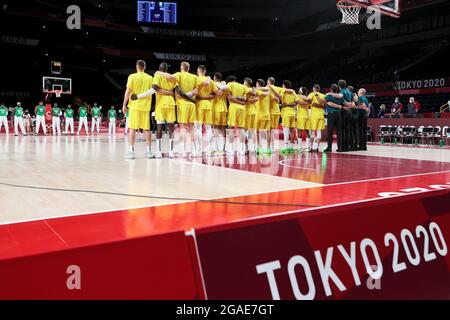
(394, 248)
(155, 267)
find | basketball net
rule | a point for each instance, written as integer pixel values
(58, 93)
(350, 12)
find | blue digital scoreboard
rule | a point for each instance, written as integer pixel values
(157, 12)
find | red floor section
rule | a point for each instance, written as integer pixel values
(328, 168)
(30, 238)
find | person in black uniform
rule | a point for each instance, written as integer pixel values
(363, 111)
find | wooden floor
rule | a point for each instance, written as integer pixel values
(98, 164)
(45, 177)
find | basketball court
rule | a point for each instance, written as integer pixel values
(199, 227)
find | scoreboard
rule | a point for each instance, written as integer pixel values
(157, 12)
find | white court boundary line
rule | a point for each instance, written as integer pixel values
(331, 206)
(155, 205)
(247, 195)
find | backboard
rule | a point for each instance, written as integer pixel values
(389, 7)
(52, 84)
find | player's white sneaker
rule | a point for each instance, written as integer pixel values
(158, 155)
(131, 155)
(171, 155)
(149, 155)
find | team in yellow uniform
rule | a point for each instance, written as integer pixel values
(189, 98)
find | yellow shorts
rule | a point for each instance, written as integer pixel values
(288, 122)
(250, 122)
(186, 113)
(274, 121)
(263, 124)
(139, 120)
(236, 117)
(204, 116)
(317, 124)
(220, 118)
(165, 114)
(303, 124)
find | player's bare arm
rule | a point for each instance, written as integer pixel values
(275, 93)
(233, 99)
(183, 94)
(168, 76)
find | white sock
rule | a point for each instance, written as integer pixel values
(170, 145)
(286, 136)
(315, 146)
(149, 149)
(308, 143)
(299, 141)
(131, 148)
(209, 133)
(182, 147)
(198, 136)
(220, 143)
(158, 145)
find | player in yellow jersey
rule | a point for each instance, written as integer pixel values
(220, 109)
(317, 119)
(205, 96)
(236, 113)
(303, 122)
(288, 104)
(265, 99)
(185, 108)
(139, 111)
(250, 122)
(275, 112)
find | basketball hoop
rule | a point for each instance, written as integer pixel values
(58, 93)
(350, 12)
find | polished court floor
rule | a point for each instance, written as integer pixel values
(47, 177)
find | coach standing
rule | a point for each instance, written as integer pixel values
(363, 111)
(347, 119)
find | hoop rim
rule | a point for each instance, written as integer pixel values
(345, 4)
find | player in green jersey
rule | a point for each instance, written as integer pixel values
(56, 121)
(95, 113)
(18, 119)
(82, 114)
(4, 118)
(68, 114)
(112, 115)
(39, 111)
